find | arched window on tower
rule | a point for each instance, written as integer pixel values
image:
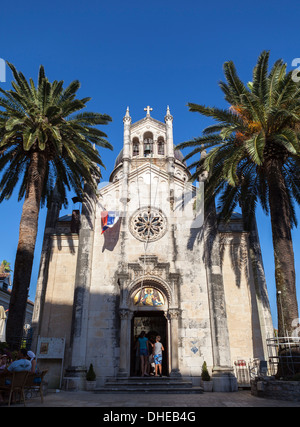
(161, 146)
(135, 147)
(148, 144)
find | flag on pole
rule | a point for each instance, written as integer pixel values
(109, 219)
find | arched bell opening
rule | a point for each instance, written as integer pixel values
(148, 144)
(160, 146)
(135, 147)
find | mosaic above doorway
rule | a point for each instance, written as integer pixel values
(148, 297)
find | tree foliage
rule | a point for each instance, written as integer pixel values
(46, 118)
(46, 142)
(251, 155)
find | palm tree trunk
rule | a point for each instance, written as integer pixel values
(25, 251)
(287, 307)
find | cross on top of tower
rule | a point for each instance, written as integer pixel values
(148, 109)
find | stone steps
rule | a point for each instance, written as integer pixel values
(148, 385)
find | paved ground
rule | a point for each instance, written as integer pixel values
(83, 399)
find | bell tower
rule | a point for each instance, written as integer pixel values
(147, 140)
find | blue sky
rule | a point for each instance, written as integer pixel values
(140, 53)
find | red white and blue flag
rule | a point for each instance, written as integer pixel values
(109, 219)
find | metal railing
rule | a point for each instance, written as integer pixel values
(283, 361)
(284, 356)
(24, 341)
(245, 371)
(242, 373)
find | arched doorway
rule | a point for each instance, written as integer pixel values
(153, 323)
(149, 305)
(149, 297)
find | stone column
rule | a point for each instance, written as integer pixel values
(141, 149)
(79, 331)
(174, 316)
(52, 216)
(170, 154)
(169, 135)
(125, 326)
(222, 375)
(155, 148)
(126, 156)
(261, 292)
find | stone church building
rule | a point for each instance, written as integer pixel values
(165, 266)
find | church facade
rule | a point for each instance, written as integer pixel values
(149, 256)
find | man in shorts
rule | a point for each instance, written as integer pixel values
(157, 351)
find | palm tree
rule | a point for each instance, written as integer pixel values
(5, 267)
(44, 140)
(253, 156)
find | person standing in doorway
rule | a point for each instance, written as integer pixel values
(143, 345)
(158, 348)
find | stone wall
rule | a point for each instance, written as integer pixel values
(58, 306)
(57, 313)
(177, 253)
(241, 305)
(279, 390)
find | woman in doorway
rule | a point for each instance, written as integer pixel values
(143, 346)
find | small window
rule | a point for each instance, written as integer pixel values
(136, 150)
(135, 147)
(148, 144)
(161, 147)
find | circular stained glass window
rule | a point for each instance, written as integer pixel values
(148, 224)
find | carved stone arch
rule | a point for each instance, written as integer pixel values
(153, 282)
(130, 282)
(148, 134)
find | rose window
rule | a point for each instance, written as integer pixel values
(148, 224)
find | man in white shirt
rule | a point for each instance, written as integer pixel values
(158, 349)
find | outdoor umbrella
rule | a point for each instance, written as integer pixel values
(2, 324)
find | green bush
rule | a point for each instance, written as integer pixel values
(91, 376)
(205, 375)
